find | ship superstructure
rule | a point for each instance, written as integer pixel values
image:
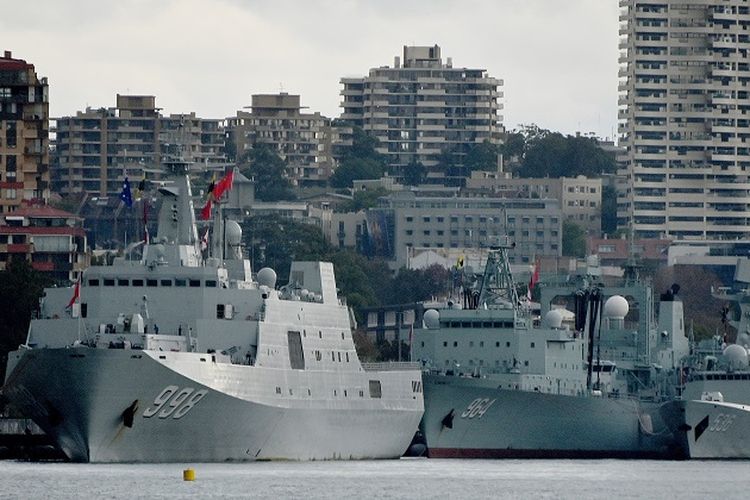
(185, 355)
(499, 385)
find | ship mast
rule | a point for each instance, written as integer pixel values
(498, 287)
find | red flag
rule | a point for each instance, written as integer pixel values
(206, 212)
(76, 292)
(534, 280)
(224, 185)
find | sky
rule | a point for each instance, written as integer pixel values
(557, 58)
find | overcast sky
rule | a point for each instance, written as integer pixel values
(558, 58)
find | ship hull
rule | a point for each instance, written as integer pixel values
(103, 405)
(718, 429)
(472, 418)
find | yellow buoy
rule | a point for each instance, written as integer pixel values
(188, 475)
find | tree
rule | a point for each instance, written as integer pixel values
(269, 171)
(362, 200)
(351, 169)
(573, 240)
(553, 155)
(482, 156)
(20, 289)
(414, 174)
(609, 210)
(359, 161)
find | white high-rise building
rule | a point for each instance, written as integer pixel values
(685, 118)
(423, 110)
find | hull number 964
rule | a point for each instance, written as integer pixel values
(175, 402)
(477, 408)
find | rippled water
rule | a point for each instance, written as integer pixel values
(405, 478)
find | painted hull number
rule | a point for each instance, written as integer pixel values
(175, 402)
(477, 408)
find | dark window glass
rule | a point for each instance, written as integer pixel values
(195, 283)
(121, 282)
(137, 282)
(109, 282)
(150, 282)
(210, 283)
(166, 282)
(93, 282)
(179, 282)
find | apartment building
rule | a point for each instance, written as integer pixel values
(534, 225)
(580, 198)
(685, 118)
(425, 110)
(97, 148)
(24, 134)
(53, 241)
(306, 141)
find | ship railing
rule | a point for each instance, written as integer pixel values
(391, 366)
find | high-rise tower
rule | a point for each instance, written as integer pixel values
(685, 118)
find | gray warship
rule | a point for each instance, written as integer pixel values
(497, 385)
(716, 380)
(182, 356)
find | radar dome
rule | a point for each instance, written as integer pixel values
(431, 318)
(743, 339)
(553, 318)
(233, 233)
(736, 356)
(267, 277)
(616, 307)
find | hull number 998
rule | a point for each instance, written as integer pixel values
(175, 402)
(477, 408)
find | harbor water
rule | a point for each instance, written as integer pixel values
(405, 478)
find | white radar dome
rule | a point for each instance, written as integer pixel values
(743, 339)
(233, 233)
(553, 318)
(431, 318)
(736, 356)
(616, 307)
(267, 277)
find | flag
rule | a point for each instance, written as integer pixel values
(223, 185)
(126, 196)
(145, 222)
(534, 280)
(460, 262)
(204, 241)
(211, 187)
(76, 293)
(206, 211)
(140, 188)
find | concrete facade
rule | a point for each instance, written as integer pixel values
(535, 225)
(24, 134)
(685, 118)
(306, 141)
(580, 198)
(425, 108)
(96, 149)
(51, 240)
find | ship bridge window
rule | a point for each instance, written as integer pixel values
(109, 282)
(487, 324)
(466, 324)
(166, 283)
(533, 345)
(151, 283)
(210, 283)
(122, 282)
(93, 282)
(497, 344)
(195, 283)
(137, 282)
(445, 344)
(219, 311)
(455, 344)
(376, 390)
(179, 282)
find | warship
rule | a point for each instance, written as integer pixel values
(185, 355)
(716, 380)
(497, 384)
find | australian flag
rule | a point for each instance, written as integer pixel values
(125, 195)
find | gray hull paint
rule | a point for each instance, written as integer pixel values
(80, 397)
(521, 424)
(718, 429)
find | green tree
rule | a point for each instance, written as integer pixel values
(414, 173)
(359, 161)
(20, 289)
(573, 240)
(269, 171)
(609, 210)
(555, 155)
(362, 200)
(482, 156)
